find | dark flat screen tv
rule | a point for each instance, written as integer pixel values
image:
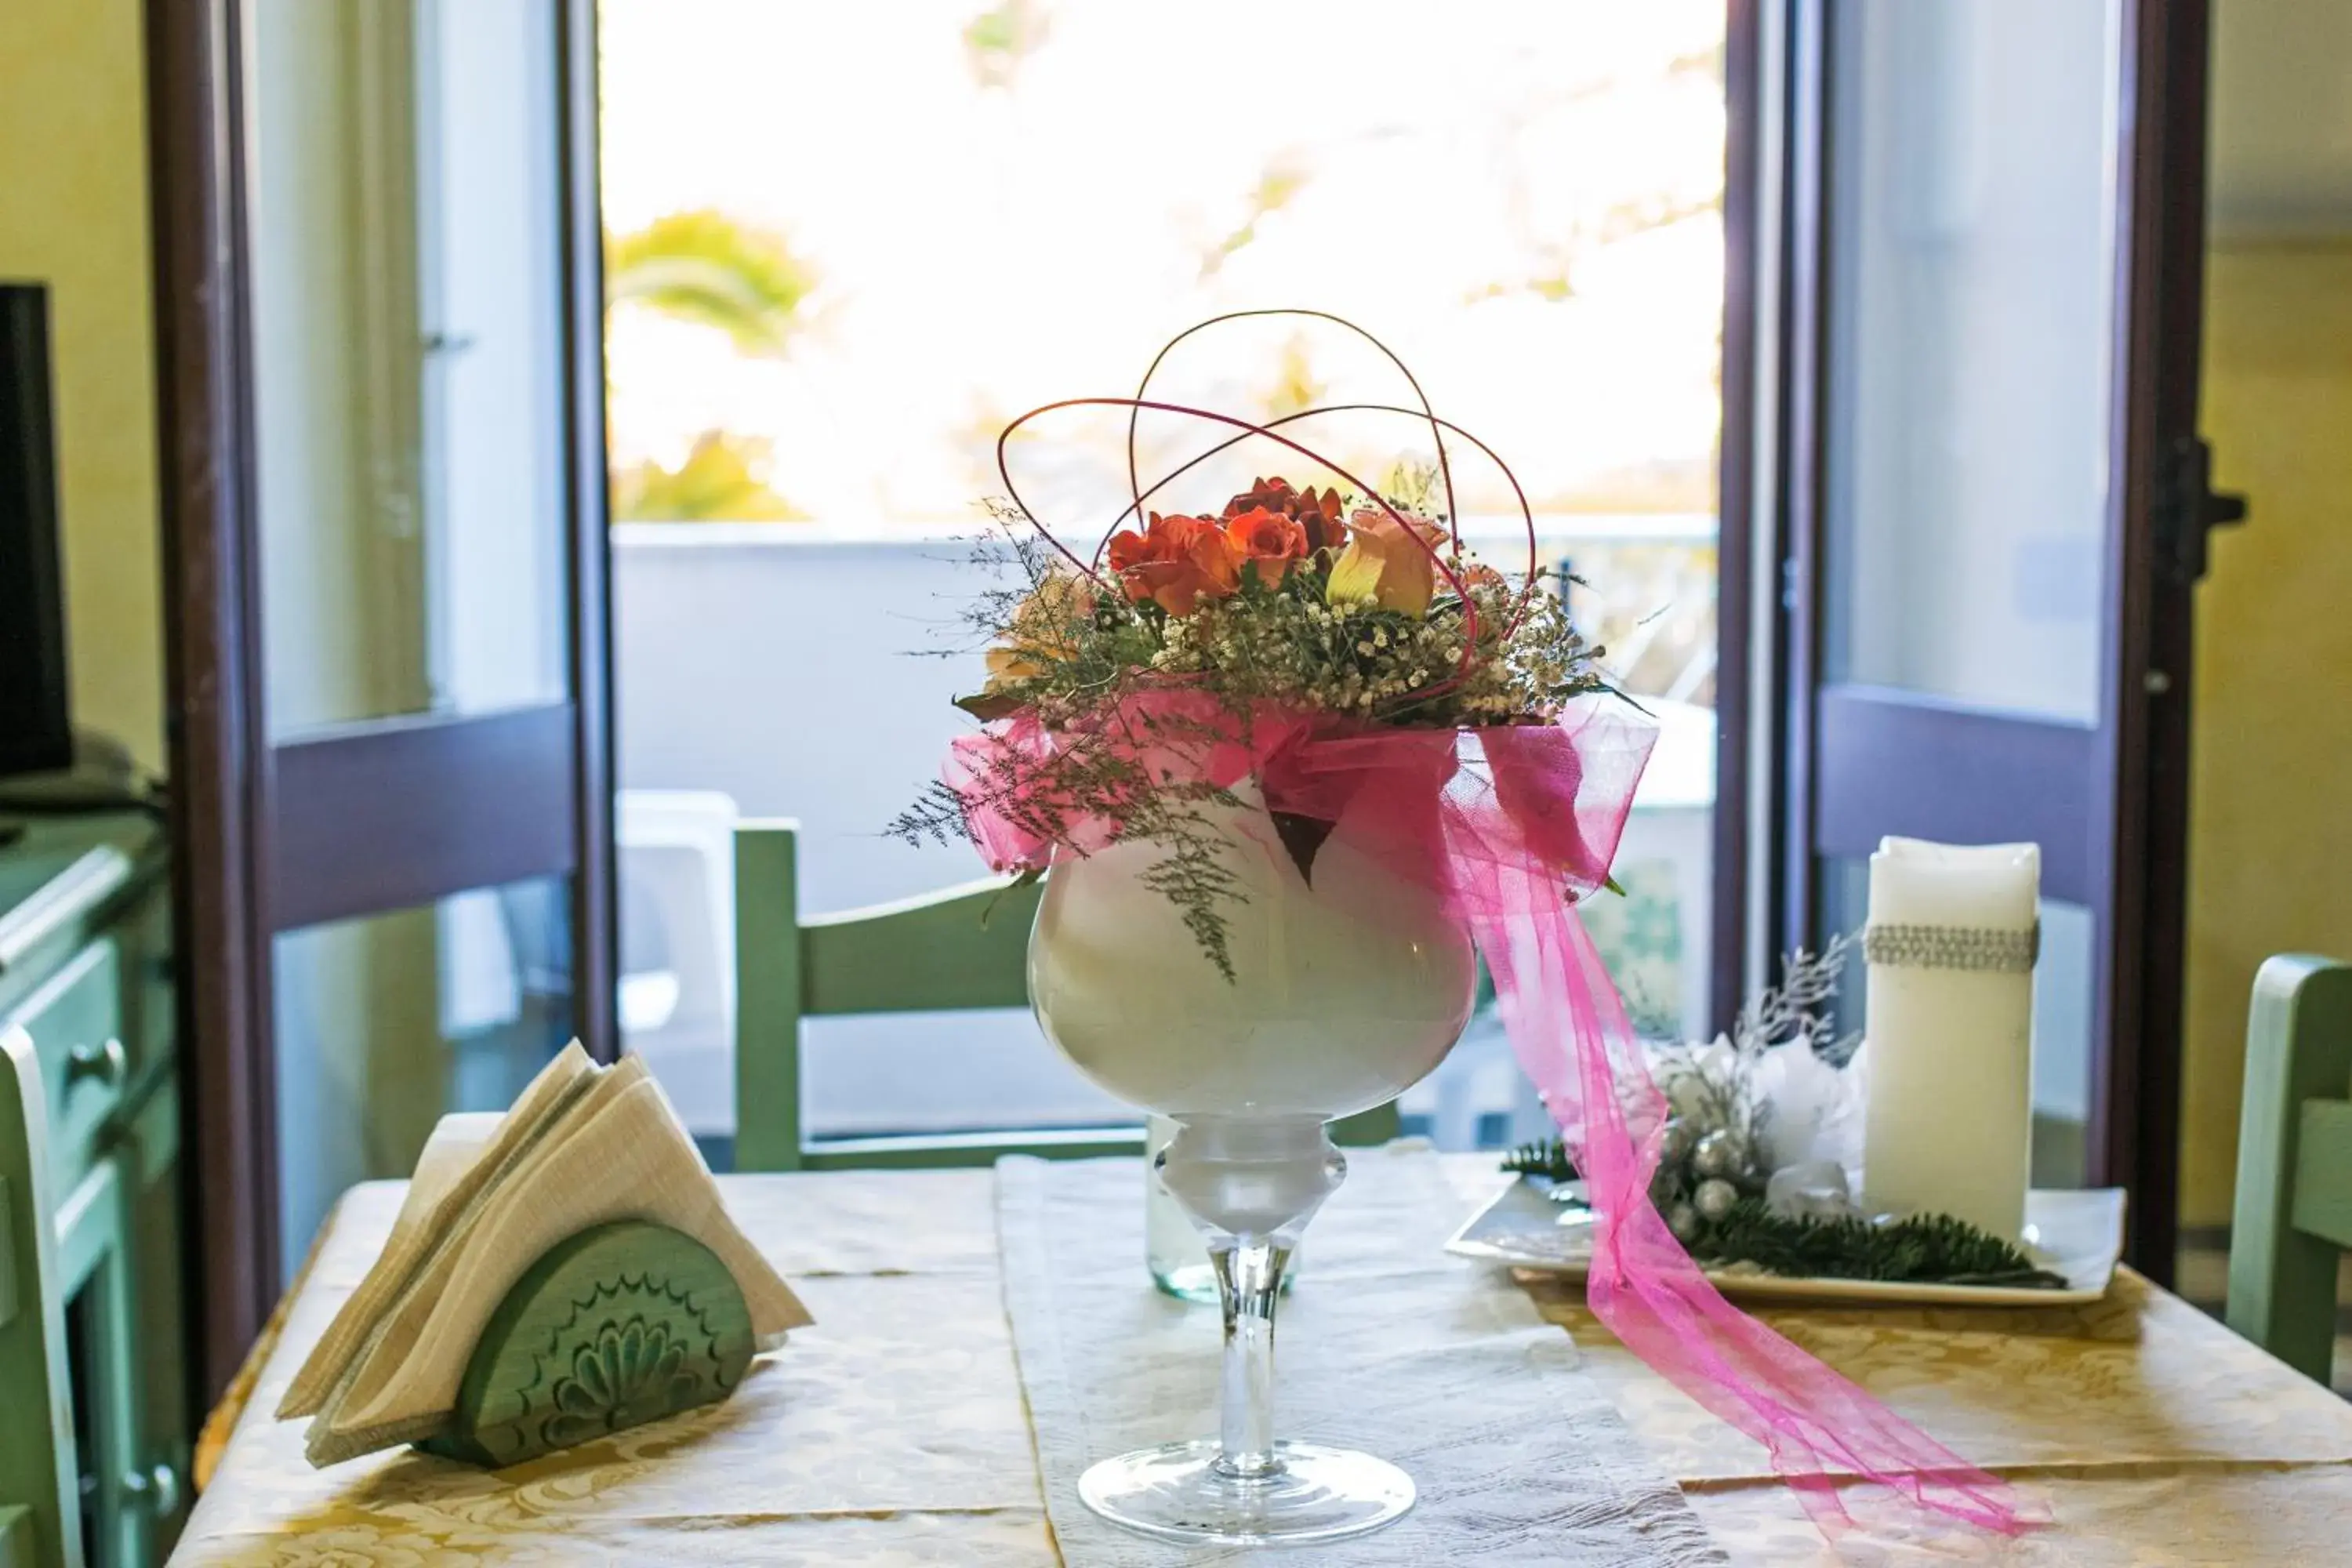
(36, 733)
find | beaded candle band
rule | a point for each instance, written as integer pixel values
(1974, 948)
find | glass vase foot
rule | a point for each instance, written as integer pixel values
(1178, 1492)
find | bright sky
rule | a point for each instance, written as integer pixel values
(985, 248)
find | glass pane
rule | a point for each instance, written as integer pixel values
(793, 475)
(2062, 1018)
(1973, 216)
(387, 1022)
(407, 361)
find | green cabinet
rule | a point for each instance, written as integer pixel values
(85, 969)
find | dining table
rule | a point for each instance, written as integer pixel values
(895, 1431)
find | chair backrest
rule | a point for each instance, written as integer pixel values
(965, 947)
(2294, 1212)
(41, 1515)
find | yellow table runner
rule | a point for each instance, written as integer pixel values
(893, 1433)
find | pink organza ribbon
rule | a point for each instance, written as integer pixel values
(1513, 824)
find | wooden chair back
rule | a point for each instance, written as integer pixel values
(40, 1513)
(2294, 1212)
(964, 947)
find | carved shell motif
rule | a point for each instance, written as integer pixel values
(617, 1326)
(629, 1372)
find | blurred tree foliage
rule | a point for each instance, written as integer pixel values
(1001, 38)
(706, 268)
(722, 480)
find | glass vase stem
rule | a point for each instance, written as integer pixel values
(1249, 1185)
(1249, 1285)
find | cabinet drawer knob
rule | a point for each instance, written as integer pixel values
(158, 1486)
(107, 1065)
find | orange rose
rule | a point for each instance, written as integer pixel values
(1175, 562)
(1318, 515)
(1129, 549)
(1386, 563)
(1268, 540)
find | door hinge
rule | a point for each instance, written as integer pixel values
(2188, 509)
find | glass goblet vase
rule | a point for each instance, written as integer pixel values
(1343, 994)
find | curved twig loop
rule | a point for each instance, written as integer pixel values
(1436, 434)
(1249, 427)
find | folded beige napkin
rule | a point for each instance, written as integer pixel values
(584, 1145)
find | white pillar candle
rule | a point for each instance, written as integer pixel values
(1949, 1017)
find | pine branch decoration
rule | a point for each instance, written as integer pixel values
(1922, 1249)
(1549, 1159)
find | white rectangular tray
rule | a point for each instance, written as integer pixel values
(2076, 1235)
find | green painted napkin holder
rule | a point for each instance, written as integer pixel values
(616, 1326)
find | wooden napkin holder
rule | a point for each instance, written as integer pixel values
(618, 1325)
(556, 1274)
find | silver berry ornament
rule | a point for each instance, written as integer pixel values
(1716, 1154)
(1683, 1220)
(1714, 1198)
(1675, 1146)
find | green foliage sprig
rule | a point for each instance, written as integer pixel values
(1549, 1159)
(1919, 1249)
(707, 268)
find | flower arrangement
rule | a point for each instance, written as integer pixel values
(1359, 609)
(1112, 682)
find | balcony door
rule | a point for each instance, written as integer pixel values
(1996, 505)
(379, 306)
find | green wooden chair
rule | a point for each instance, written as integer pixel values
(2294, 1215)
(965, 947)
(41, 1515)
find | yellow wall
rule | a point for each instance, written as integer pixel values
(73, 214)
(2271, 840)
